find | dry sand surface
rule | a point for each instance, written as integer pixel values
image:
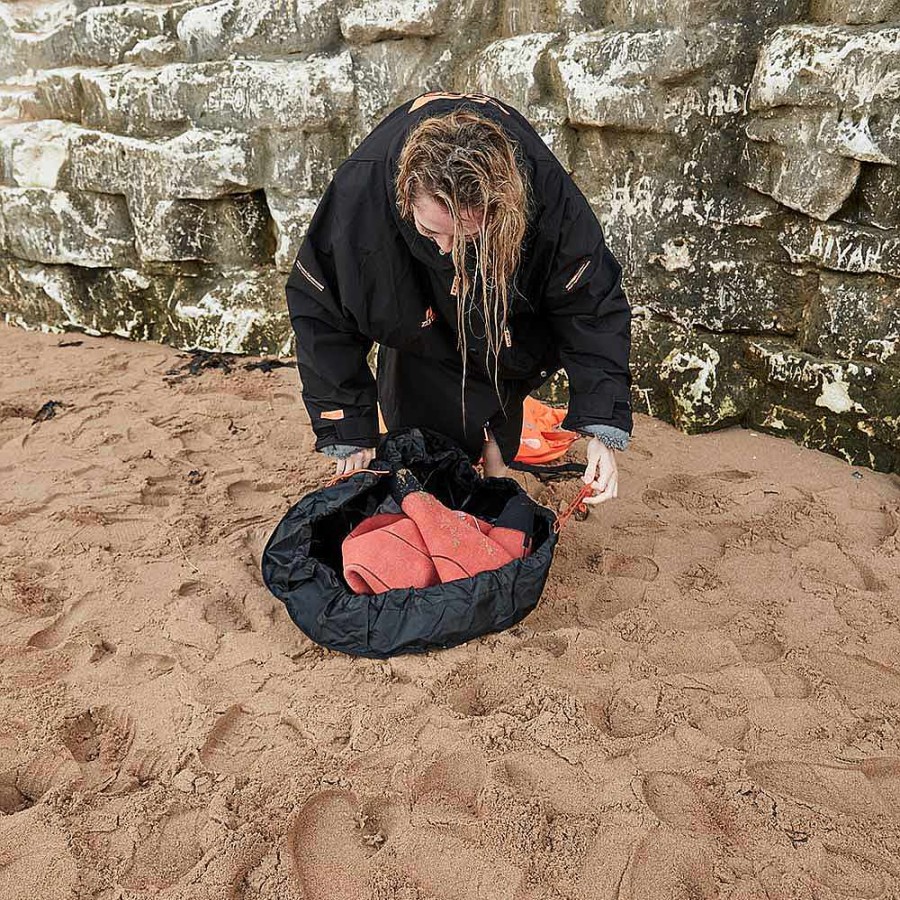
(704, 704)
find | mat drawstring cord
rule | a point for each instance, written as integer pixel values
(577, 505)
(344, 475)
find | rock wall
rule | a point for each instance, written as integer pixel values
(160, 161)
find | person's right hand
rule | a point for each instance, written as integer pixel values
(358, 460)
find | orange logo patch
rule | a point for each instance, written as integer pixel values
(335, 414)
(429, 318)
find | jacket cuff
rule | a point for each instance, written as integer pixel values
(340, 451)
(585, 412)
(613, 437)
(359, 430)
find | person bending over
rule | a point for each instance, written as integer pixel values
(454, 238)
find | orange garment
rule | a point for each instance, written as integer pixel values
(542, 439)
(427, 544)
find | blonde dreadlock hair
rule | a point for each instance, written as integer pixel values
(467, 161)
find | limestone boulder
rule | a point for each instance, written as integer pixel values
(652, 13)
(257, 28)
(291, 215)
(389, 73)
(377, 20)
(234, 310)
(100, 35)
(37, 154)
(195, 164)
(656, 80)
(79, 228)
(549, 121)
(37, 296)
(19, 99)
(154, 51)
(119, 301)
(869, 136)
(810, 181)
(844, 248)
(847, 408)
(696, 381)
(854, 12)
(242, 95)
(520, 17)
(58, 93)
(231, 231)
(239, 312)
(854, 317)
(512, 69)
(720, 290)
(879, 190)
(299, 162)
(103, 35)
(634, 184)
(827, 66)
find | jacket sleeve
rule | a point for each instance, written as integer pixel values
(338, 386)
(590, 319)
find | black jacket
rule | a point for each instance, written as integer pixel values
(363, 275)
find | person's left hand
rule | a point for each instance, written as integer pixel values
(601, 472)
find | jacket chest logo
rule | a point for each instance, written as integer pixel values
(428, 321)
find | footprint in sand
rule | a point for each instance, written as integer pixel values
(763, 648)
(633, 710)
(453, 782)
(733, 476)
(226, 613)
(473, 699)
(329, 849)
(342, 850)
(691, 493)
(22, 787)
(253, 495)
(24, 592)
(158, 490)
(686, 804)
(92, 527)
(627, 863)
(168, 853)
(99, 740)
(239, 740)
(61, 627)
(621, 565)
(35, 861)
(859, 678)
(148, 764)
(849, 875)
(869, 791)
(139, 668)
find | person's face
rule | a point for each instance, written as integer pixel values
(433, 221)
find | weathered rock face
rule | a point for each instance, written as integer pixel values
(160, 162)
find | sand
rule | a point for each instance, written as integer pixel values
(704, 704)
